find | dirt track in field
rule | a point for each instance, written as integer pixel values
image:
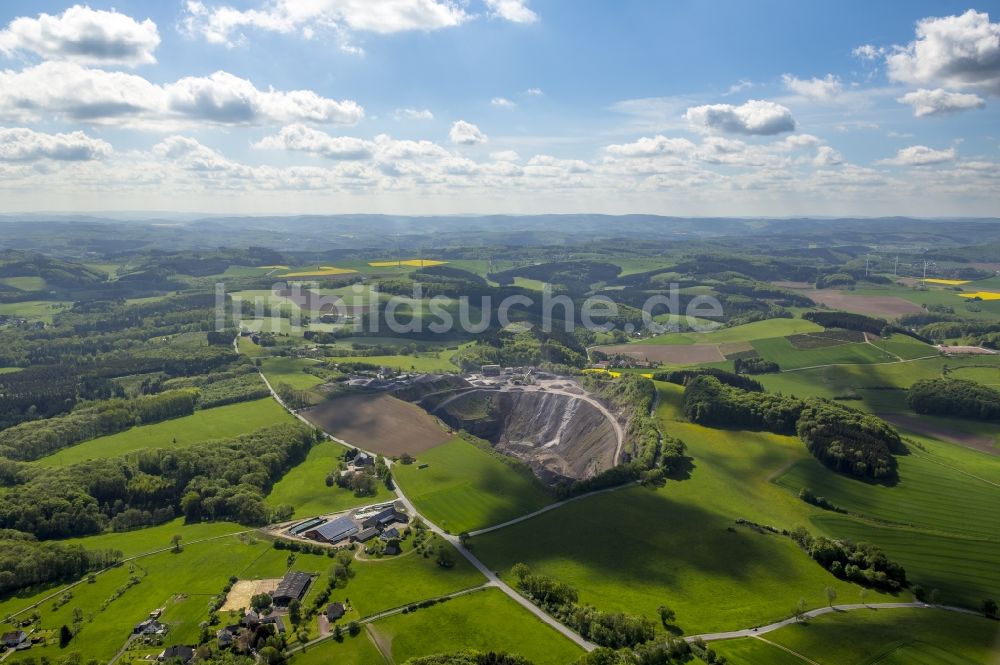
(668, 354)
(878, 306)
(379, 423)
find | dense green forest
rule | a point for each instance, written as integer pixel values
(25, 562)
(954, 397)
(844, 439)
(215, 480)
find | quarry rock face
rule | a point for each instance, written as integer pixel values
(562, 438)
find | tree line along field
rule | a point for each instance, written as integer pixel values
(916, 521)
(216, 423)
(717, 579)
(867, 637)
(464, 488)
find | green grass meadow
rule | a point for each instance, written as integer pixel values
(464, 488)
(218, 423)
(781, 351)
(486, 620)
(304, 487)
(282, 369)
(745, 333)
(894, 637)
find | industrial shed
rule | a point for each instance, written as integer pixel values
(292, 587)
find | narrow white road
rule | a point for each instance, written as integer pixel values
(491, 576)
(761, 630)
(551, 506)
(494, 581)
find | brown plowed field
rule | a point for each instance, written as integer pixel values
(982, 442)
(878, 306)
(379, 423)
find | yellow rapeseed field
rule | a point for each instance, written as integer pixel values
(594, 370)
(947, 282)
(982, 295)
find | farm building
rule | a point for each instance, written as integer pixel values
(389, 534)
(275, 620)
(334, 611)
(302, 527)
(226, 636)
(333, 531)
(180, 652)
(292, 587)
(384, 518)
(365, 535)
(14, 639)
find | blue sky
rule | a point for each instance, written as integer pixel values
(483, 106)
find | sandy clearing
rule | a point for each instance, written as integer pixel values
(241, 593)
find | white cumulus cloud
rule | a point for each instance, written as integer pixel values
(816, 89)
(652, 147)
(868, 52)
(20, 144)
(222, 24)
(465, 133)
(67, 90)
(413, 114)
(515, 11)
(951, 51)
(502, 102)
(306, 139)
(84, 35)
(920, 155)
(753, 117)
(933, 102)
(505, 156)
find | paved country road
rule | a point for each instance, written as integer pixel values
(491, 576)
(494, 581)
(760, 630)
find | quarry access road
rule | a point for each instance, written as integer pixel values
(551, 506)
(492, 579)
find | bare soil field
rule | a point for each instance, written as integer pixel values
(241, 593)
(878, 306)
(379, 423)
(966, 350)
(731, 348)
(981, 442)
(668, 354)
